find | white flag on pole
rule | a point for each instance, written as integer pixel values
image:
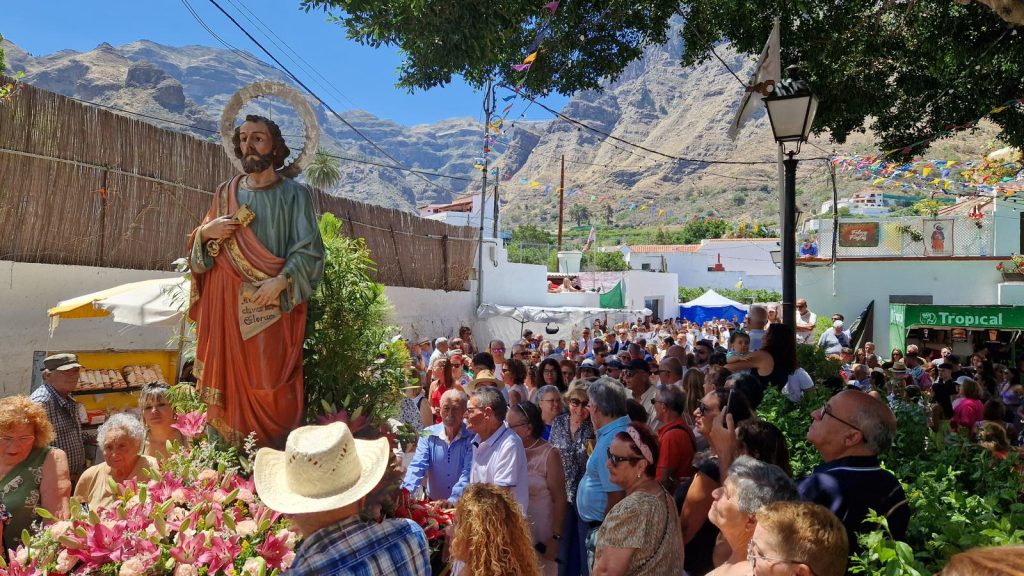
(591, 239)
(769, 67)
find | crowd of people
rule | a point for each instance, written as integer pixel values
(635, 449)
(662, 463)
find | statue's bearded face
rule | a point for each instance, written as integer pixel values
(257, 147)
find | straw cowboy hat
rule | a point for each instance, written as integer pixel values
(483, 378)
(322, 468)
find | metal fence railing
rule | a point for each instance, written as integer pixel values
(954, 236)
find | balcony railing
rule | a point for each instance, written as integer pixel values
(957, 236)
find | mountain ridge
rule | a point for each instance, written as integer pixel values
(655, 103)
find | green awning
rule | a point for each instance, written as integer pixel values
(902, 317)
(613, 298)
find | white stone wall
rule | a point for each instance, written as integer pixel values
(954, 282)
(27, 291)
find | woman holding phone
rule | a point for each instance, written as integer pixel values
(698, 495)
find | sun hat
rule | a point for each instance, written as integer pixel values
(899, 367)
(321, 468)
(588, 364)
(483, 378)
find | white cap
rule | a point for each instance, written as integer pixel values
(441, 340)
(837, 324)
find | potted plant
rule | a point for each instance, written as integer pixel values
(1012, 271)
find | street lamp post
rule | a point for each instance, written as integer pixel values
(791, 108)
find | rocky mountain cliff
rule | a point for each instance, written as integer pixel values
(655, 103)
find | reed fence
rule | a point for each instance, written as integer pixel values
(81, 185)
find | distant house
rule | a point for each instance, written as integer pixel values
(462, 211)
(714, 263)
(922, 267)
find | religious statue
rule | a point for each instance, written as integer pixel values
(256, 258)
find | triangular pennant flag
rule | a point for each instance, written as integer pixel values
(529, 59)
(534, 184)
(521, 67)
(509, 97)
(551, 7)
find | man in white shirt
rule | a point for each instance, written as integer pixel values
(440, 350)
(498, 454)
(585, 343)
(805, 321)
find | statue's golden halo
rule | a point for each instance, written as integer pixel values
(248, 93)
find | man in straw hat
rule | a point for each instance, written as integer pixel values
(444, 453)
(320, 481)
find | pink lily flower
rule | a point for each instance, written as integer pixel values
(274, 549)
(190, 425)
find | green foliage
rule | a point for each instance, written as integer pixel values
(528, 233)
(324, 172)
(580, 213)
(604, 261)
(588, 41)
(936, 54)
(354, 360)
(813, 360)
(960, 498)
(742, 295)
(928, 207)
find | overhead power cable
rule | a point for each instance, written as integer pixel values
(329, 108)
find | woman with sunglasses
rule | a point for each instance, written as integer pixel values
(546, 512)
(458, 361)
(443, 381)
(572, 433)
(697, 495)
(640, 534)
(551, 374)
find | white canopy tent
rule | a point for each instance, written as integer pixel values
(507, 323)
(712, 305)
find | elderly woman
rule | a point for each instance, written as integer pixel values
(157, 417)
(121, 438)
(549, 398)
(750, 486)
(33, 473)
(571, 432)
(640, 534)
(546, 512)
(798, 538)
(675, 438)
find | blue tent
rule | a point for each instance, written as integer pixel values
(711, 305)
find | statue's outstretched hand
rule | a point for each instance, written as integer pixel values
(219, 228)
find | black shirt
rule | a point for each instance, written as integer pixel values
(943, 393)
(849, 487)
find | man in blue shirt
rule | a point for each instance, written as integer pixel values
(597, 494)
(445, 454)
(849, 432)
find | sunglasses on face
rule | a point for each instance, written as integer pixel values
(616, 460)
(577, 403)
(703, 408)
(498, 350)
(456, 364)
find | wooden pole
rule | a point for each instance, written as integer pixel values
(561, 203)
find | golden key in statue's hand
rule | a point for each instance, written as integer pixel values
(244, 216)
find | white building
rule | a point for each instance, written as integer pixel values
(949, 260)
(864, 203)
(463, 211)
(714, 263)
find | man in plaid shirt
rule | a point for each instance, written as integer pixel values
(320, 481)
(60, 377)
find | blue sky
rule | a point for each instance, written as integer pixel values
(365, 76)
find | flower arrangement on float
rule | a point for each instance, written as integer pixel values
(199, 516)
